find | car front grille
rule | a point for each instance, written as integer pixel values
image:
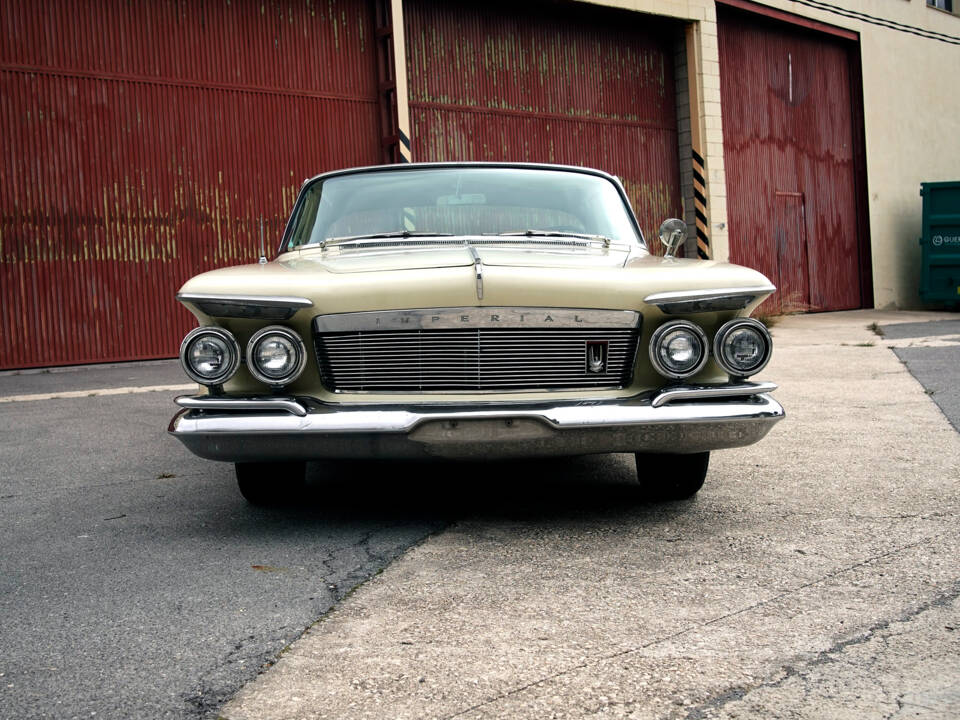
(478, 358)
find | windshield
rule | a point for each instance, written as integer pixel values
(526, 202)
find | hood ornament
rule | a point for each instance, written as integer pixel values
(478, 268)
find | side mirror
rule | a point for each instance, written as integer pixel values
(672, 234)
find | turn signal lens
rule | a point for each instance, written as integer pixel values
(209, 355)
(743, 347)
(276, 356)
(678, 349)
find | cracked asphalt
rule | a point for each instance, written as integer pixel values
(931, 351)
(816, 575)
(134, 579)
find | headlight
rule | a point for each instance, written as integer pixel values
(209, 355)
(742, 347)
(678, 349)
(276, 356)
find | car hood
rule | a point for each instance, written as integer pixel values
(448, 278)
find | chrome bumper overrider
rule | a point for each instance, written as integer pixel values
(681, 419)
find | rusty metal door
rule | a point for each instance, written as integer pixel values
(558, 83)
(791, 139)
(142, 142)
(790, 241)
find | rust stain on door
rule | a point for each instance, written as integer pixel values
(791, 138)
(561, 83)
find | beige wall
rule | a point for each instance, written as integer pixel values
(911, 122)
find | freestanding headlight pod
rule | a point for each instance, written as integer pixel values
(678, 349)
(209, 355)
(276, 356)
(743, 347)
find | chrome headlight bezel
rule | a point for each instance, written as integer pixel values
(724, 332)
(299, 348)
(233, 355)
(662, 333)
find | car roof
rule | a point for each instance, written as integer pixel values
(400, 167)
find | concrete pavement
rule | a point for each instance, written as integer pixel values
(817, 574)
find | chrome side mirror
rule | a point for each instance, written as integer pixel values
(672, 234)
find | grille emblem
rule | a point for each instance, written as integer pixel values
(597, 356)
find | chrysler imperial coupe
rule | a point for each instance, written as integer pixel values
(473, 311)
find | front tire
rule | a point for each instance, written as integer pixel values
(266, 483)
(672, 476)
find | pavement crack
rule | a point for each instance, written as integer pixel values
(824, 657)
(948, 597)
(900, 706)
(806, 585)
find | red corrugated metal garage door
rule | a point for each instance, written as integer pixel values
(141, 143)
(573, 84)
(793, 157)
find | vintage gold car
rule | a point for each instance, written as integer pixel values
(473, 311)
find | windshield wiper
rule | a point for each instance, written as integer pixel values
(554, 233)
(380, 236)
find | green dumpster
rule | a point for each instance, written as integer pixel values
(940, 272)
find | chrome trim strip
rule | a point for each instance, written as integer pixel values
(471, 317)
(686, 301)
(208, 402)
(432, 394)
(556, 245)
(710, 392)
(689, 295)
(250, 307)
(261, 300)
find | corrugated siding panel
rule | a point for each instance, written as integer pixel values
(548, 83)
(789, 151)
(142, 142)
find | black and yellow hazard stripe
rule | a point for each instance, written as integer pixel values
(700, 207)
(404, 146)
(409, 214)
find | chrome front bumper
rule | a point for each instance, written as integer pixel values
(682, 419)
